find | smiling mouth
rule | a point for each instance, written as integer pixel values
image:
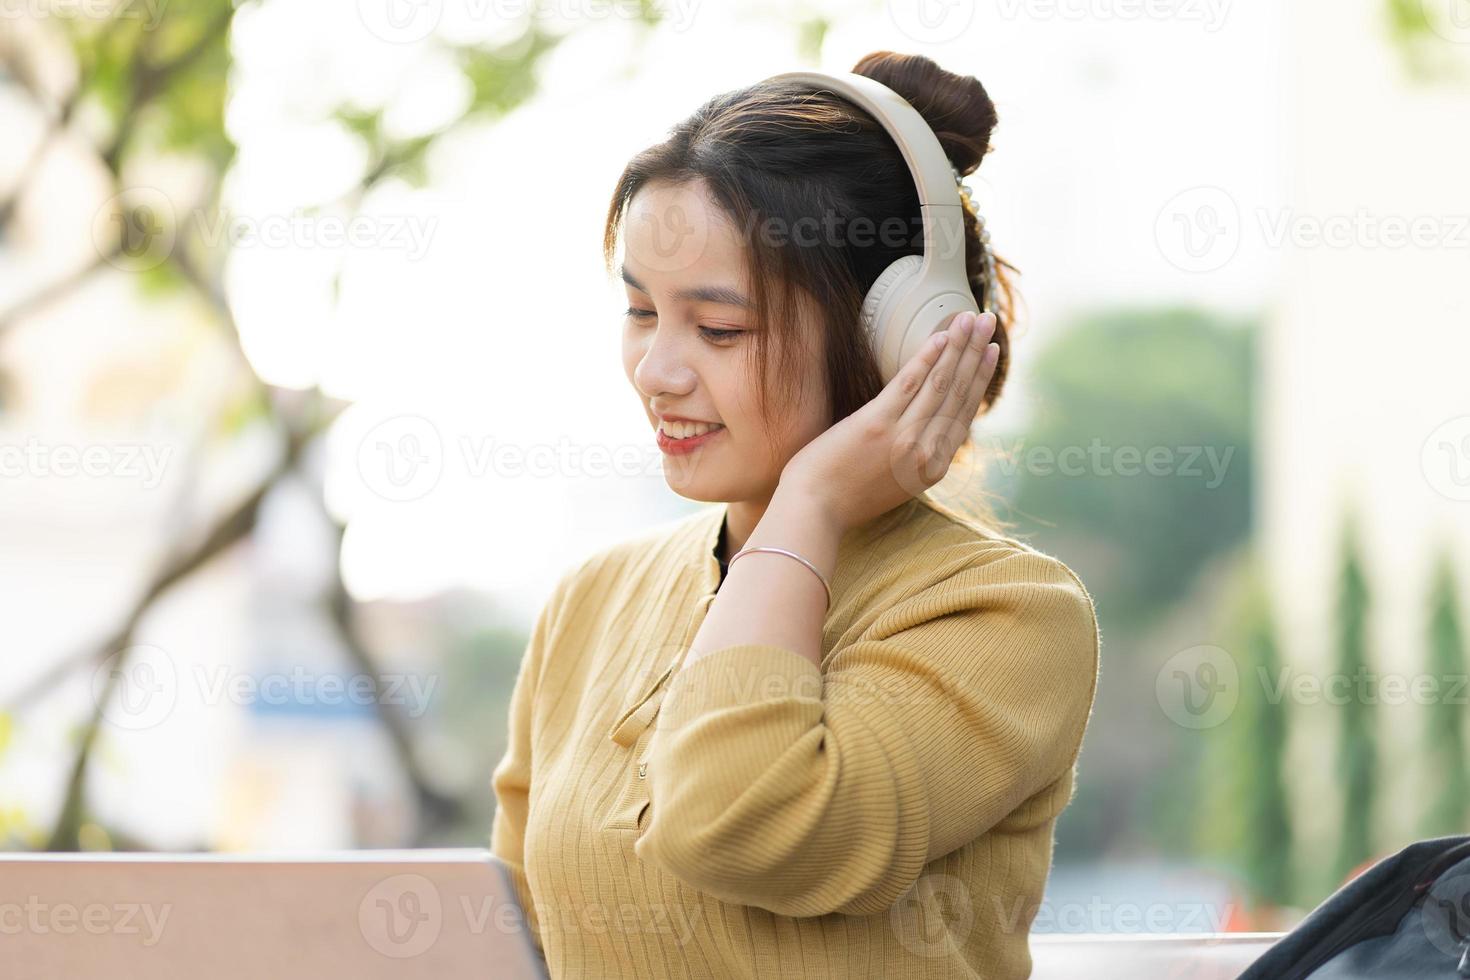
(703, 430)
(688, 444)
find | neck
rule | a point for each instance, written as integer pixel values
(741, 517)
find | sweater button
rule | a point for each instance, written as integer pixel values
(642, 769)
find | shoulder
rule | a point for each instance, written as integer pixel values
(976, 565)
(953, 542)
(1007, 594)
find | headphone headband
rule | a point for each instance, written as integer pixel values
(934, 176)
(915, 296)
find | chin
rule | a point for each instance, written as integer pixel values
(698, 493)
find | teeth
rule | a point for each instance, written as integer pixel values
(686, 430)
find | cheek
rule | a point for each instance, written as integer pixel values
(805, 418)
(799, 426)
(735, 396)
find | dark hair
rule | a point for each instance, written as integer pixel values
(782, 155)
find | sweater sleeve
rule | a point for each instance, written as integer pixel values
(511, 779)
(807, 791)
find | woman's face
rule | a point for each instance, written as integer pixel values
(687, 343)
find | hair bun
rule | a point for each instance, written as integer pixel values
(956, 107)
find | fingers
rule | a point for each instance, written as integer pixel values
(909, 383)
(939, 381)
(974, 335)
(971, 378)
(929, 387)
(938, 418)
(991, 351)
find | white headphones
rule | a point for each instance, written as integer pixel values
(917, 296)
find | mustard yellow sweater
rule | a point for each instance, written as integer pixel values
(890, 814)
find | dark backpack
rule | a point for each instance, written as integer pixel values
(1407, 916)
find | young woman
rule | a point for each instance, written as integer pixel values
(843, 755)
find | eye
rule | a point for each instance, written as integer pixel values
(713, 333)
(719, 335)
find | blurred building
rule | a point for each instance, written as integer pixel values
(1366, 399)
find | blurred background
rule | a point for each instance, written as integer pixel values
(310, 389)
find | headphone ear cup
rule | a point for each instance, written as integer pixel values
(876, 304)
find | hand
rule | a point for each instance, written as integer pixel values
(902, 442)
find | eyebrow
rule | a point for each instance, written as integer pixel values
(723, 295)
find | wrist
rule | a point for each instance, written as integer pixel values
(798, 502)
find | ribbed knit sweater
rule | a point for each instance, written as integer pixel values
(889, 814)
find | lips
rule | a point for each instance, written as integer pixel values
(669, 444)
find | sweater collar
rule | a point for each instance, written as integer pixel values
(705, 561)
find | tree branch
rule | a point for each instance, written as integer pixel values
(149, 80)
(232, 528)
(53, 291)
(58, 122)
(439, 809)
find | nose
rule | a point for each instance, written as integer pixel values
(663, 368)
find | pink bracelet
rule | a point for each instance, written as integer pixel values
(790, 554)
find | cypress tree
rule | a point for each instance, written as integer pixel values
(1357, 766)
(1444, 729)
(1268, 841)
(1246, 817)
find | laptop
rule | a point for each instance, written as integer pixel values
(446, 913)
